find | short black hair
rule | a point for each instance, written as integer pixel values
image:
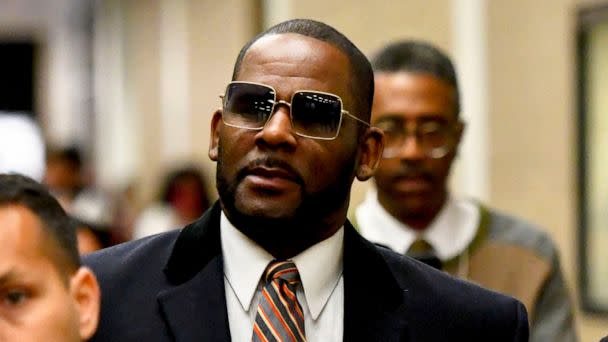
(169, 185)
(16, 189)
(418, 57)
(69, 154)
(362, 76)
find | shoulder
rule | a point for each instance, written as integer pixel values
(418, 277)
(145, 256)
(457, 306)
(131, 275)
(136, 249)
(509, 229)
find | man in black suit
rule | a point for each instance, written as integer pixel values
(275, 259)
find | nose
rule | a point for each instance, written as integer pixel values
(278, 130)
(411, 148)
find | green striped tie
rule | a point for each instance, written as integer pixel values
(279, 316)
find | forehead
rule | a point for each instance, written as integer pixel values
(290, 62)
(21, 237)
(412, 95)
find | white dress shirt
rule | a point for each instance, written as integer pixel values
(321, 293)
(449, 233)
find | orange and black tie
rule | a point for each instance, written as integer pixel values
(279, 316)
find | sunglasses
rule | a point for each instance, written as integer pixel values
(313, 114)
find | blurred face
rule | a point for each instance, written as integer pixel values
(37, 303)
(186, 199)
(412, 181)
(61, 176)
(272, 179)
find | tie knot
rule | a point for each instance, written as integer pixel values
(425, 253)
(420, 248)
(285, 270)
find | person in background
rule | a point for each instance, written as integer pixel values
(90, 208)
(45, 293)
(64, 174)
(183, 199)
(90, 236)
(276, 259)
(411, 211)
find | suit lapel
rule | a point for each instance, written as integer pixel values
(374, 303)
(195, 267)
(196, 310)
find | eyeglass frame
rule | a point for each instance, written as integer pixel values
(446, 149)
(288, 104)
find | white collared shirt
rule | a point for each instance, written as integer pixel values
(321, 294)
(449, 233)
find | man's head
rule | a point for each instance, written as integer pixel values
(359, 73)
(285, 170)
(63, 173)
(417, 105)
(45, 295)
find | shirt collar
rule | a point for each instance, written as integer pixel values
(245, 262)
(449, 233)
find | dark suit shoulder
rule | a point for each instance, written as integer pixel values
(130, 256)
(130, 277)
(455, 306)
(135, 248)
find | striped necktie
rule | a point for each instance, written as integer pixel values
(279, 316)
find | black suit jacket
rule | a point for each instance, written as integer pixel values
(170, 287)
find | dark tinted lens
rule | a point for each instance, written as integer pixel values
(247, 105)
(316, 114)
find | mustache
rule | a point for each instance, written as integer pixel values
(413, 170)
(270, 163)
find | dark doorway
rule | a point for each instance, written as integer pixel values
(17, 76)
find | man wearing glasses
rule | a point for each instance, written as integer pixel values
(275, 259)
(417, 106)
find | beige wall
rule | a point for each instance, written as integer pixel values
(372, 24)
(533, 122)
(141, 51)
(597, 144)
(218, 31)
(215, 31)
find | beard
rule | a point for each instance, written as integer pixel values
(312, 221)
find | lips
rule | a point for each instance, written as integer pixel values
(271, 175)
(413, 184)
(273, 172)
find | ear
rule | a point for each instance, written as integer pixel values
(84, 290)
(215, 134)
(371, 147)
(460, 127)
